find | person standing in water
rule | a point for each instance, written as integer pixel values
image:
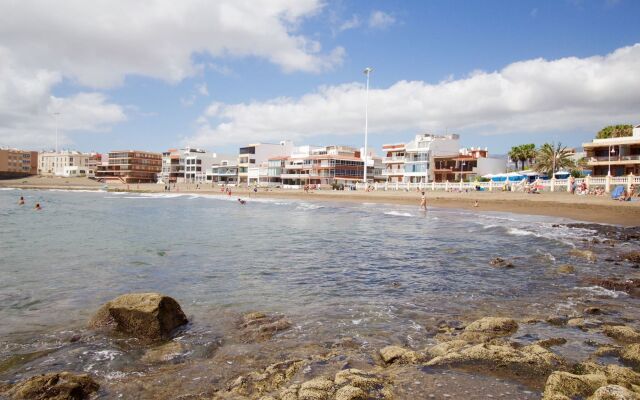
(38, 207)
(21, 201)
(423, 202)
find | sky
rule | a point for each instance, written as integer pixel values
(154, 75)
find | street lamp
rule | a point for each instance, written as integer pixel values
(55, 117)
(367, 72)
(612, 150)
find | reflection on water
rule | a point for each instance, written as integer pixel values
(379, 274)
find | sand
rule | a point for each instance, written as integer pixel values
(580, 208)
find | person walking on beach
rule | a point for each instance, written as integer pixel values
(476, 204)
(21, 201)
(423, 202)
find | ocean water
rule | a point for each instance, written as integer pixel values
(383, 274)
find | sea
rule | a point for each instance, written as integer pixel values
(371, 274)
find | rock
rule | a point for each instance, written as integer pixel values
(546, 343)
(584, 323)
(55, 386)
(564, 385)
(614, 392)
(607, 350)
(566, 269)
(271, 378)
(585, 254)
(316, 389)
(631, 286)
(397, 354)
(493, 326)
(358, 378)
(631, 355)
(446, 347)
(557, 320)
(349, 392)
(593, 311)
(163, 353)
(501, 263)
(148, 316)
(532, 359)
(257, 326)
(633, 256)
(622, 333)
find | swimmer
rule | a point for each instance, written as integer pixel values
(21, 201)
(423, 202)
(243, 202)
(38, 206)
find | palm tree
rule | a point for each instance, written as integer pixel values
(516, 154)
(553, 157)
(529, 153)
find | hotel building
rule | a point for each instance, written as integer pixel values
(615, 156)
(18, 163)
(65, 163)
(324, 166)
(467, 165)
(131, 166)
(257, 154)
(189, 165)
(414, 161)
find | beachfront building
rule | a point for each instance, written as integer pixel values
(131, 166)
(172, 166)
(67, 163)
(257, 154)
(224, 173)
(414, 161)
(16, 163)
(330, 165)
(189, 165)
(615, 156)
(468, 164)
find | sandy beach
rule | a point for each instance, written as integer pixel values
(580, 208)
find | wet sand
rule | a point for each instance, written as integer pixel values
(580, 208)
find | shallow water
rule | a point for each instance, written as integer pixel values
(378, 274)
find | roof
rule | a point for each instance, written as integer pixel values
(612, 142)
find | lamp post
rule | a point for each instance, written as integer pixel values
(367, 72)
(55, 118)
(612, 150)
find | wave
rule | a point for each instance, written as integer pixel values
(398, 214)
(602, 292)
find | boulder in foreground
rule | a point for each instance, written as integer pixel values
(148, 316)
(55, 386)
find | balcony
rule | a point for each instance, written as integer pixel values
(388, 172)
(393, 159)
(294, 176)
(614, 159)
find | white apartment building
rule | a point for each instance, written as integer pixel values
(65, 163)
(226, 172)
(189, 165)
(414, 161)
(255, 155)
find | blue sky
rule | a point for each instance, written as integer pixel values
(435, 70)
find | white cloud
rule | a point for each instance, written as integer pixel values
(202, 89)
(27, 107)
(352, 23)
(537, 95)
(99, 42)
(380, 20)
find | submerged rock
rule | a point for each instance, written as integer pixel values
(257, 326)
(163, 353)
(546, 343)
(148, 316)
(631, 286)
(566, 269)
(532, 359)
(501, 263)
(55, 386)
(633, 256)
(622, 333)
(493, 326)
(271, 378)
(585, 254)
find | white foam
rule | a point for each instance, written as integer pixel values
(520, 232)
(308, 206)
(600, 291)
(398, 214)
(9, 188)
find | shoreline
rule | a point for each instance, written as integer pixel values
(580, 208)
